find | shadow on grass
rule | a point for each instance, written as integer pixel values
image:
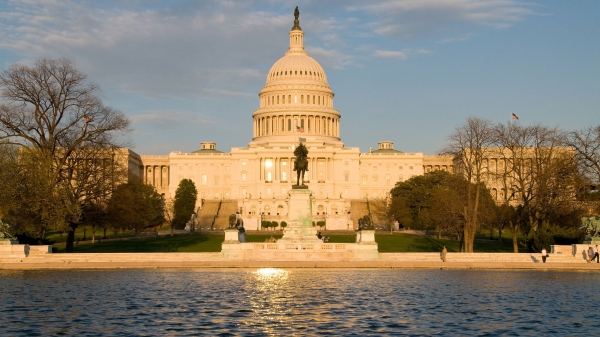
(177, 243)
(387, 243)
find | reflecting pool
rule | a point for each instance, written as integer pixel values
(299, 302)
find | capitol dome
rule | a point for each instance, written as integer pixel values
(296, 101)
(296, 66)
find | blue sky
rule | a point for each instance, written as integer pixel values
(403, 71)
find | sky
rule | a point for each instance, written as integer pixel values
(406, 71)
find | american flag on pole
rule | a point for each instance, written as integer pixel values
(299, 129)
(515, 116)
(87, 119)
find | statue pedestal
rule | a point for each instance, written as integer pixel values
(592, 241)
(231, 236)
(300, 228)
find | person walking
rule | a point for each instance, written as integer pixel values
(544, 255)
(591, 254)
(596, 256)
(444, 252)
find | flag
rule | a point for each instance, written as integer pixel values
(299, 129)
(87, 119)
(515, 116)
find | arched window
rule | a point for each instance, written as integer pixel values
(243, 176)
(302, 99)
(279, 210)
(320, 209)
(268, 176)
(387, 179)
(284, 176)
(204, 179)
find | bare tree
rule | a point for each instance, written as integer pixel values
(470, 144)
(586, 144)
(380, 211)
(535, 173)
(51, 111)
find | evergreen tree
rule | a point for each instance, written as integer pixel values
(185, 201)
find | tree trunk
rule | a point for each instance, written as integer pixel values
(104, 237)
(514, 229)
(71, 237)
(500, 235)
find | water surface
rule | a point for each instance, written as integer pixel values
(299, 302)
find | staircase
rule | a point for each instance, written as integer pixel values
(228, 207)
(207, 214)
(358, 209)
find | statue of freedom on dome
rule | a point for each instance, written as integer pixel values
(296, 13)
(301, 162)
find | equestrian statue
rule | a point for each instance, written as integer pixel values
(301, 162)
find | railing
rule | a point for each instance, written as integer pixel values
(300, 246)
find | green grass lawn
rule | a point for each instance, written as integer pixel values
(387, 243)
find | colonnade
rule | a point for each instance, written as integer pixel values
(156, 175)
(294, 124)
(320, 169)
(280, 100)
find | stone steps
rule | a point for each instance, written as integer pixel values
(228, 207)
(207, 214)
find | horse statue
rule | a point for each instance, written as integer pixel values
(4, 234)
(365, 223)
(591, 226)
(301, 162)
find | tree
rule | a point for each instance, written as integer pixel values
(185, 202)
(538, 176)
(53, 114)
(470, 144)
(417, 195)
(399, 211)
(169, 211)
(136, 207)
(586, 144)
(380, 211)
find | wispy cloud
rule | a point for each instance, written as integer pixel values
(169, 119)
(390, 54)
(410, 19)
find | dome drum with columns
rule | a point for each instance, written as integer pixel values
(296, 99)
(295, 103)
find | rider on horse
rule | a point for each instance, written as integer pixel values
(301, 162)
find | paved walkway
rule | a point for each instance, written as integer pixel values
(522, 261)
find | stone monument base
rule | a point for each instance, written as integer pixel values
(20, 251)
(300, 241)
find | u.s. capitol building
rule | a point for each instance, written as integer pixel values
(296, 104)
